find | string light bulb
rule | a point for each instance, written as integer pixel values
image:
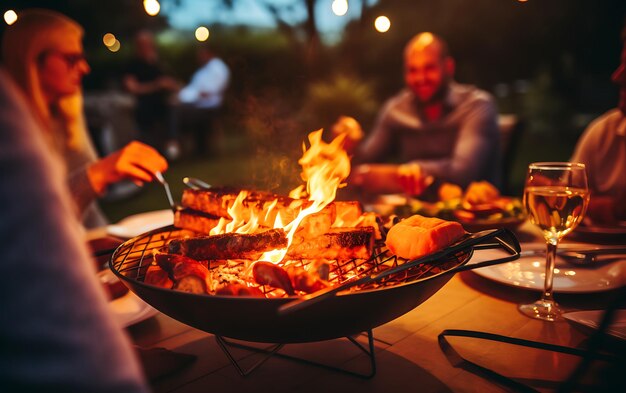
(152, 7)
(340, 7)
(10, 17)
(382, 24)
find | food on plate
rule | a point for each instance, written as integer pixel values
(481, 203)
(449, 192)
(417, 235)
(480, 192)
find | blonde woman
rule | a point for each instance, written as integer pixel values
(43, 53)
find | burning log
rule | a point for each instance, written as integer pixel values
(339, 243)
(195, 220)
(203, 210)
(230, 245)
(347, 213)
(217, 201)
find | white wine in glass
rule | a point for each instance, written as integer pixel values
(556, 196)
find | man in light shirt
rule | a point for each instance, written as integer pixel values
(202, 97)
(434, 128)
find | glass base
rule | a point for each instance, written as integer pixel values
(546, 310)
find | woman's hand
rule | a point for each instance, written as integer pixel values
(135, 161)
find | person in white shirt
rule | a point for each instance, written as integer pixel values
(602, 148)
(202, 98)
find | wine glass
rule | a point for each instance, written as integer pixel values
(556, 196)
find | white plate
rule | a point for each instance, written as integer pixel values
(130, 309)
(137, 224)
(529, 273)
(591, 320)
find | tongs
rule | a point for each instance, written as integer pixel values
(502, 238)
(168, 192)
(191, 182)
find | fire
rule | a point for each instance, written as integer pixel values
(325, 166)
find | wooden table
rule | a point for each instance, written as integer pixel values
(407, 352)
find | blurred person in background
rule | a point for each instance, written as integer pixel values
(146, 79)
(602, 148)
(43, 53)
(57, 332)
(436, 128)
(202, 98)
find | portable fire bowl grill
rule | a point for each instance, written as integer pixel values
(348, 313)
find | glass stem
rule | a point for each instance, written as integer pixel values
(550, 260)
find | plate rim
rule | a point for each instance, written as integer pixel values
(596, 315)
(120, 228)
(480, 272)
(146, 311)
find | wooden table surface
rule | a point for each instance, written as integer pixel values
(407, 352)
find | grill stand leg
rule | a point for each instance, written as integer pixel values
(273, 351)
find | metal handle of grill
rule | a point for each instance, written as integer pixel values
(504, 238)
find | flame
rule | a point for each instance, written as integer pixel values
(324, 168)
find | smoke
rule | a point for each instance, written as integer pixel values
(275, 134)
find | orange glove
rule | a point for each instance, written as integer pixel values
(136, 161)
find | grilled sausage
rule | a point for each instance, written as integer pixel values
(267, 273)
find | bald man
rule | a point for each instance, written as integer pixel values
(439, 129)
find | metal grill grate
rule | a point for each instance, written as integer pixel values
(133, 258)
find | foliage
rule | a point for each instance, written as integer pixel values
(341, 94)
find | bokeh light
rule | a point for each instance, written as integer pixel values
(202, 33)
(152, 7)
(10, 17)
(115, 47)
(109, 39)
(340, 7)
(382, 24)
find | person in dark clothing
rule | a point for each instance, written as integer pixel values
(152, 87)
